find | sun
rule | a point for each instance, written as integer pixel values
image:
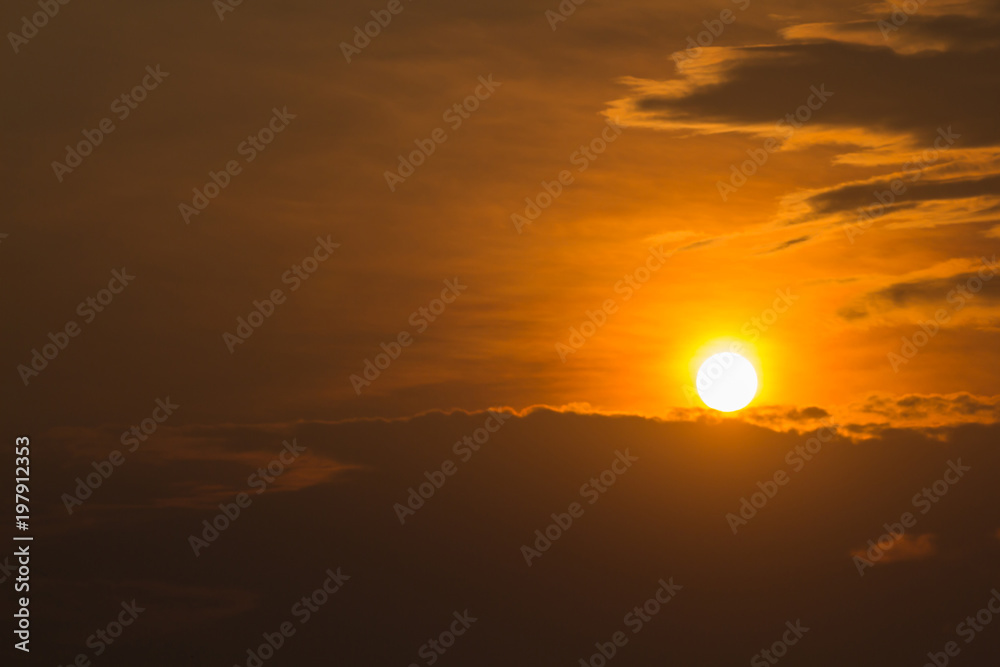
(726, 382)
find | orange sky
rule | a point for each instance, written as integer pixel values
(248, 248)
(685, 121)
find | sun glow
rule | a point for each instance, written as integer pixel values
(726, 382)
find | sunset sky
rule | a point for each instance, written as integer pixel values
(687, 121)
(556, 214)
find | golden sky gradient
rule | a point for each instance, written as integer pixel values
(687, 117)
(233, 227)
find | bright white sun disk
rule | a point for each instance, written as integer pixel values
(726, 382)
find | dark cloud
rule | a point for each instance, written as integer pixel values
(916, 406)
(933, 77)
(933, 290)
(808, 413)
(872, 87)
(953, 293)
(851, 313)
(664, 517)
(971, 26)
(783, 418)
(698, 244)
(787, 244)
(872, 199)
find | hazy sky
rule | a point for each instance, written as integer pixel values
(250, 223)
(688, 118)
